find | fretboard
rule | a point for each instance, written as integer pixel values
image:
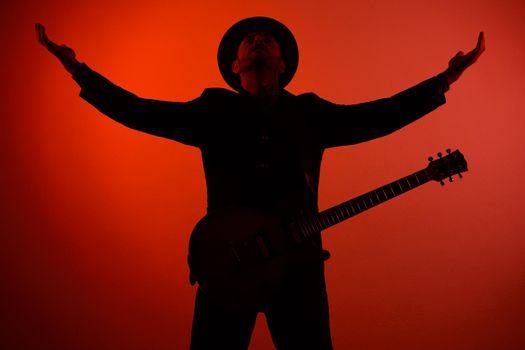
(334, 215)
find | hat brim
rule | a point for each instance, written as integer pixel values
(232, 38)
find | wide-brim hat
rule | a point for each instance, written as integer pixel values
(233, 37)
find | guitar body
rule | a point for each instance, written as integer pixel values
(238, 257)
(241, 256)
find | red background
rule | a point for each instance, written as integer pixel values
(95, 217)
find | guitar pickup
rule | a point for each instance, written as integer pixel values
(252, 249)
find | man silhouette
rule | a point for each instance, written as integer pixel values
(262, 148)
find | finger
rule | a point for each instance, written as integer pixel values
(40, 37)
(481, 42)
(480, 39)
(480, 47)
(43, 36)
(49, 44)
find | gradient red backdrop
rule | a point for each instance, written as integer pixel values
(95, 217)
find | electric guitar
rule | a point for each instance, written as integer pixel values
(239, 256)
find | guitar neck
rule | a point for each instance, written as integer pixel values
(348, 209)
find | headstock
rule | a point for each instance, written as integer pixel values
(446, 166)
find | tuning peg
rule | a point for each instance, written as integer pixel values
(460, 176)
(442, 183)
(450, 179)
(449, 150)
(430, 158)
(440, 154)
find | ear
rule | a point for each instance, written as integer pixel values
(235, 66)
(282, 66)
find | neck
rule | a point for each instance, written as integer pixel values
(261, 83)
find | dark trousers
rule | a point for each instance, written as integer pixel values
(297, 317)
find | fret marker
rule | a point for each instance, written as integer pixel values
(417, 178)
(391, 189)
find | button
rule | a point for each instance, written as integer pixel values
(263, 165)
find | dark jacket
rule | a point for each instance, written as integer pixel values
(258, 156)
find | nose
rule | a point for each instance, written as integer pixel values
(258, 39)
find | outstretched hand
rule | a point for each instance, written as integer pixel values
(65, 54)
(460, 62)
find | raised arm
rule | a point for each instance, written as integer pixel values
(340, 125)
(180, 121)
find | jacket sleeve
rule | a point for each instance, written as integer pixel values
(340, 125)
(179, 121)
